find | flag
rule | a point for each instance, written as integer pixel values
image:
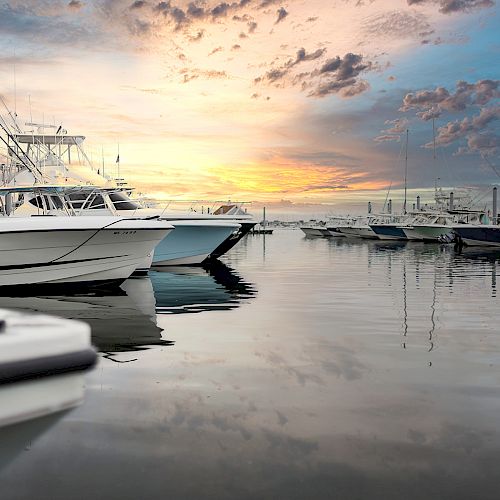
(118, 159)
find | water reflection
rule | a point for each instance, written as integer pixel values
(195, 289)
(124, 319)
(121, 319)
(304, 392)
(422, 278)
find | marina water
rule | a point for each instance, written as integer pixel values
(297, 368)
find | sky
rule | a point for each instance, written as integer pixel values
(298, 104)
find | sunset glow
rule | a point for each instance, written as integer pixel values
(302, 101)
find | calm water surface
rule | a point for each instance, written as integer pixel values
(298, 368)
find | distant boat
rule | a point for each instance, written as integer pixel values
(330, 228)
(312, 230)
(359, 228)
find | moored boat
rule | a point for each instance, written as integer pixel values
(478, 234)
(67, 250)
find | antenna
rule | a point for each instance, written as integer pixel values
(102, 158)
(15, 85)
(434, 137)
(406, 169)
(31, 114)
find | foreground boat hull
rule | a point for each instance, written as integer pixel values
(39, 380)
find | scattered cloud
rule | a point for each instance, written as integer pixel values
(215, 50)
(432, 103)
(387, 138)
(397, 127)
(75, 5)
(138, 4)
(282, 13)
(302, 55)
(467, 127)
(189, 74)
(336, 76)
(342, 76)
(397, 24)
(452, 6)
(196, 37)
(252, 26)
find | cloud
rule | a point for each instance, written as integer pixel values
(397, 24)
(387, 138)
(452, 6)
(193, 74)
(350, 66)
(487, 144)
(215, 50)
(75, 5)
(431, 103)
(272, 75)
(197, 37)
(393, 133)
(138, 4)
(342, 76)
(252, 26)
(399, 126)
(474, 129)
(336, 76)
(46, 27)
(302, 55)
(282, 13)
(458, 129)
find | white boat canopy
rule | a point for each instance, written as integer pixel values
(49, 139)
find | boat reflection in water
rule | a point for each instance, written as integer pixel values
(196, 289)
(124, 319)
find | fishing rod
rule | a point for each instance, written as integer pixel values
(10, 149)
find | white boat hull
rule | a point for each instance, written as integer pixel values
(55, 255)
